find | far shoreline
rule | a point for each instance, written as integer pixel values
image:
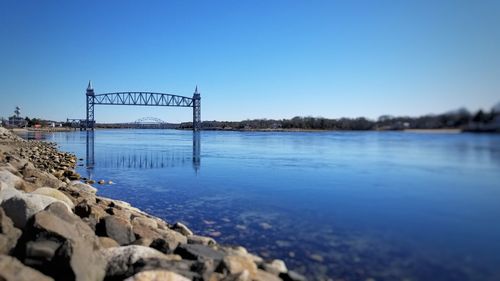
(416, 131)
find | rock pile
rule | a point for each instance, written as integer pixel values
(53, 227)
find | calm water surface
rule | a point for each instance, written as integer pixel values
(343, 205)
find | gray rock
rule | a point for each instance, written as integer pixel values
(157, 275)
(275, 267)
(116, 228)
(292, 276)
(181, 228)
(144, 221)
(107, 242)
(7, 192)
(183, 267)
(21, 207)
(238, 264)
(171, 237)
(40, 178)
(8, 233)
(83, 187)
(125, 261)
(143, 242)
(41, 251)
(242, 276)
(13, 270)
(54, 193)
(60, 245)
(198, 252)
(263, 275)
(10, 179)
(83, 209)
(202, 240)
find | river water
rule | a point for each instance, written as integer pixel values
(343, 205)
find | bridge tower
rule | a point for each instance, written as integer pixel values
(196, 110)
(89, 124)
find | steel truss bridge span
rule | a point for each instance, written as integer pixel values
(142, 99)
(149, 120)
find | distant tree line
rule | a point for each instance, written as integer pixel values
(460, 119)
(35, 121)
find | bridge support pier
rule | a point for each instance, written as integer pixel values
(89, 123)
(196, 110)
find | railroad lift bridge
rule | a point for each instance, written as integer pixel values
(141, 99)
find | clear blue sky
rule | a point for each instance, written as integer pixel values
(251, 59)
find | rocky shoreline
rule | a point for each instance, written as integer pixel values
(55, 227)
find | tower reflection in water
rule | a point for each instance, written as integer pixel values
(141, 158)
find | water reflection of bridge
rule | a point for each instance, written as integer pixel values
(143, 158)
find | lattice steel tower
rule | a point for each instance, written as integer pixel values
(89, 124)
(196, 110)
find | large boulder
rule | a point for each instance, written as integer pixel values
(60, 245)
(198, 252)
(202, 240)
(13, 270)
(21, 207)
(8, 234)
(8, 167)
(83, 209)
(7, 192)
(182, 228)
(275, 267)
(157, 275)
(292, 276)
(107, 242)
(80, 186)
(143, 230)
(10, 179)
(266, 276)
(125, 261)
(39, 178)
(54, 193)
(238, 264)
(145, 221)
(116, 228)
